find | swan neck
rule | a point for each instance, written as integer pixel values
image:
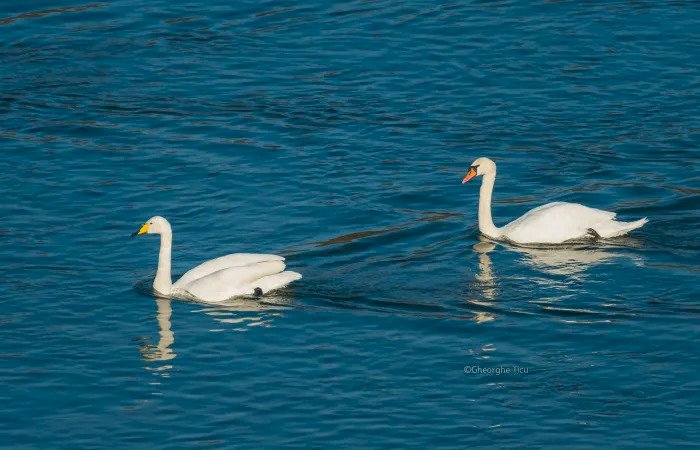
(486, 225)
(163, 282)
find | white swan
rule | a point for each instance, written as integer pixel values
(219, 279)
(553, 223)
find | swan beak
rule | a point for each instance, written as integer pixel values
(142, 230)
(470, 174)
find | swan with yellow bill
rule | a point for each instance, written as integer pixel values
(219, 279)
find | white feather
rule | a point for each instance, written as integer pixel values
(224, 262)
(231, 282)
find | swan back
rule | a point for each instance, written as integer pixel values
(224, 262)
(231, 281)
(555, 223)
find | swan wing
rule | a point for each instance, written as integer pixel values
(224, 262)
(276, 281)
(231, 281)
(556, 223)
(568, 209)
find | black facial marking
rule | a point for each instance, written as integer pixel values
(257, 292)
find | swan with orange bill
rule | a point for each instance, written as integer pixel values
(553, 223)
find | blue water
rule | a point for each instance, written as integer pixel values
(337, 134)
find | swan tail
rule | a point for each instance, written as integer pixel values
(276, 281)
(615, 228)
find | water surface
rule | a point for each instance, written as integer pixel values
(337, 134)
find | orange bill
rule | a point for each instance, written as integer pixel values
(470, 174)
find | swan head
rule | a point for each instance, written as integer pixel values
(154, 225)
(481, 166)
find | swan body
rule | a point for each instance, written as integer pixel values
(553, 223)
(218, 279)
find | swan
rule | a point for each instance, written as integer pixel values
(553, 223)
(218, 279)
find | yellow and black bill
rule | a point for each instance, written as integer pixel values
(142, 230)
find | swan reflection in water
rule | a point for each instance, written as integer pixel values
(162, 351)
(243, 313)
(485, 281)
(569, 261)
